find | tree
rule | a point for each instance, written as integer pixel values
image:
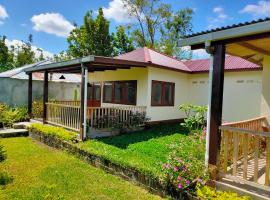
(157, 26)
(92, 38)
(176, 27)
(122, 43)
(25, 54)
(6, 57)
(149, 15)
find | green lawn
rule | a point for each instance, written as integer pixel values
(145, 150)
(40, 172)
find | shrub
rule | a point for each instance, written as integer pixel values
(37, 109)
(195, 117)
(206, 192)
(5, 178)
(2, 153)
(9, 115)
(185, 165)
(57, 132)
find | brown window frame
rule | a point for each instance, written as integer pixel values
(123, 100)
(163, 83)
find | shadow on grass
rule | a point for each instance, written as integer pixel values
(157, 131)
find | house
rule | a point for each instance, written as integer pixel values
(238, 153)
(146, 82)
(14, 85)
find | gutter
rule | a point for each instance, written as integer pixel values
(261, 27)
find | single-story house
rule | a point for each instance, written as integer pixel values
(144, 81)
(14, 85)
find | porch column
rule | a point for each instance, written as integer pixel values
(45, 96)
(30, 96)
(216, 102)
(83, 117)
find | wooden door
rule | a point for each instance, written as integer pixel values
(94, 95)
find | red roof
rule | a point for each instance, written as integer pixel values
(232, 63)
(154, 58)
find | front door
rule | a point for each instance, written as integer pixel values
(94, 95)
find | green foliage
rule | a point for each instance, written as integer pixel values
(121, 42)
(6, 57)
(37, 109)
(206, 192)
(11, 115)
(5, 178)
(185, 165)
(92, 38)
(3, 155)
(158, 26)
(195, 117)
(57, 132)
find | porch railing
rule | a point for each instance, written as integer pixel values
(67, 102)
(109, 117)
(245, 151)
(67, 116)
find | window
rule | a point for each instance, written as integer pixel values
(120, 92)
(162, 93)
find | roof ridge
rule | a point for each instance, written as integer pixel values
(147, 54)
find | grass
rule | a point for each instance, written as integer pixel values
(40, 172)
(145, 150)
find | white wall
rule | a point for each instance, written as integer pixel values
(242, 91)
(241, 98)
(181, 90)
(265, 96)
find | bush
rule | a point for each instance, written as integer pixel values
(195, 117)
(10, 115)
(5, 178)
(185, 166)
(2, 153)
(206, 192)
(37, 109)
(57, 132)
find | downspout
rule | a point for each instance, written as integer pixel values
(209, 50)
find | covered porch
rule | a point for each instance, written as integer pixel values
(238, 153)
(87, 115)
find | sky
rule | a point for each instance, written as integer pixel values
(51, 21)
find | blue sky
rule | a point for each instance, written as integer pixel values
(49, 21)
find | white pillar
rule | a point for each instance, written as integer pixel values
(85, 102)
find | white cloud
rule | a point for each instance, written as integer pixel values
(219, 19)
(52, 23)
(199, 54)
(3, 14)
(261, 9)
(117, 12)
(19, 44)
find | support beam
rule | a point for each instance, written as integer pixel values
(30, 94)
(45, 96)
(254, 48)
(216, 103)
(82, 102)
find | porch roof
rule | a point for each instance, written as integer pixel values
(249, 40)
(93, 63)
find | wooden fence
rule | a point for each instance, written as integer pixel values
(245, 151)
(67, 116)
(118, 117)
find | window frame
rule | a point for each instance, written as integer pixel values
(163, 83)
(123, 100)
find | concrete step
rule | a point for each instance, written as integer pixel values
(244, 189)
(21, 125)
(5, 133)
